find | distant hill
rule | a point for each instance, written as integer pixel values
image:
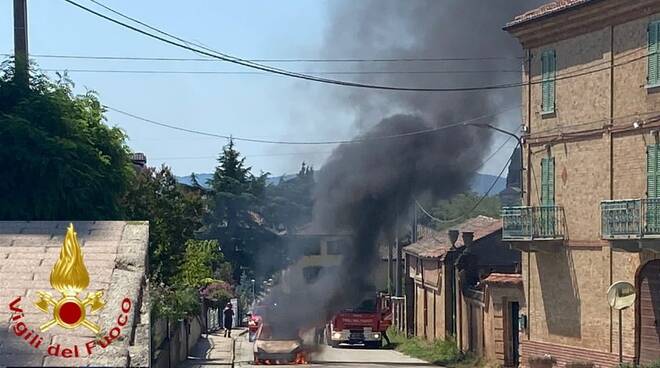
(480, 183)
(204, 178)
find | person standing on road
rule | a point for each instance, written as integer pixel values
(228, 314)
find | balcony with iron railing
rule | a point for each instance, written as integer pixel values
(532, 223)
(630, 219)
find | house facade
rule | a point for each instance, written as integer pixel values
(448, 295)
(591, 158)
(316, 252)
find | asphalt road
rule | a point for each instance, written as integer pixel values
(337, 357)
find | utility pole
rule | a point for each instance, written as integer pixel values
(390, 268)
(21, 41)
(397, 273)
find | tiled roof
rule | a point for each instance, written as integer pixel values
(114, 254)
(545, 10)
(435, 244)
(504, 279)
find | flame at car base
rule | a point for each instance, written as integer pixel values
(301, 358)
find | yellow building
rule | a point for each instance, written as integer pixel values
(591, 209)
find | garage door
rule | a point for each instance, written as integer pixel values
(649, 312)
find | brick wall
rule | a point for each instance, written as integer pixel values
(566, 288)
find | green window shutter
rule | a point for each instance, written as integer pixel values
(548, 181)
(548, 71)
(551, 182)
(652, 171)
(653, 56)
(552, 69)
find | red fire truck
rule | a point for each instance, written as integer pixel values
(362, 325)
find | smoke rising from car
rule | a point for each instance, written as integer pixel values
(362, 187)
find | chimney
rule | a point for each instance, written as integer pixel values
(453, 237)
(139, 159)
(468, 236)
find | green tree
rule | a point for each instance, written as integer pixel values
(244, 291)
(235, 202)
(461, 204)
(290, 202)
(200, 259)
(58, 157)
(174, 215)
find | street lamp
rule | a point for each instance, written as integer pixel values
(520, 144)
(253, 297)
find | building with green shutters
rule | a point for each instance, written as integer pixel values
(591, 204)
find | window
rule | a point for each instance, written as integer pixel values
(546, 225)
(653, 171)
(548, 68)
(335, 246)
(653, 188)
(311, 274)
(548, 181)
(312, 248)
(653, 36)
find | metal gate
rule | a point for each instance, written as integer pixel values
(212, 319)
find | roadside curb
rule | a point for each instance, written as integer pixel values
(233, 351)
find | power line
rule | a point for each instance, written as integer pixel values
(346, 141)
(499, 176)
(235, 60)
(244, 154)
(280, 60)
(226, 72)
(203, 50)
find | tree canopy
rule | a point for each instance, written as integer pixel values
(290, 202)
(459, 205)
(174, 215)
(58, 157)
(234, 216)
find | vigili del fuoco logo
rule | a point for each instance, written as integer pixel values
(70, 278)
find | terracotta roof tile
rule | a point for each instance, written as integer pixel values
(546, 9)
(504, 279)
(436, 244)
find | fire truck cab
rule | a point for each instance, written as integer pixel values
(363, 325)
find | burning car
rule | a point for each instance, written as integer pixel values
(273, 346)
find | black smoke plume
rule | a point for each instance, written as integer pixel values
(363, 186)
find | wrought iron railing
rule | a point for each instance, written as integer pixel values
(530, 223)
(630, 218)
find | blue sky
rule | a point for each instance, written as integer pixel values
(256, 106)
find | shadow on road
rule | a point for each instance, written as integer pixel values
(387, 364)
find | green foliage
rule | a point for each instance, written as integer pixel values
(217, 293)
(655, 364)
(244, 291)
(201, 258)
(235, 202)
(290, 202)
(58, 157)
(459, 205)
(580, 364)
(174, 302)
(174, 215)
(443, 352)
